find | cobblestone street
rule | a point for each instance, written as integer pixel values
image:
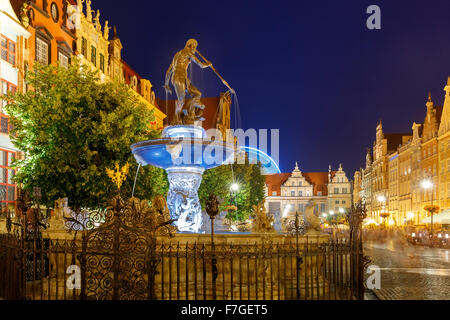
(410, 272)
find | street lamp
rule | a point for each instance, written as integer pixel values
(382, 199)
(427, 184)
(234, 188)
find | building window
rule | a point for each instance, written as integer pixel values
(274, 193)
(336, 202)
(300, 193)
(63, 60)
(344, 190)
(84, 47)
(54, 12)
(42, 51)
(7, 87)
(8, 50)
(94, 55)
(319, 193)
(102, 63)
(7, 186)
(322, 207)
(336, 190)
(292, 193)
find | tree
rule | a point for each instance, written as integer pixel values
(218, 181)
(72, 127)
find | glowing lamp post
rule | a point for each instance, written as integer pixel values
(427, 184)
(234, 189)
(382, 199)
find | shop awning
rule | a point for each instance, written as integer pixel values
(440, 218)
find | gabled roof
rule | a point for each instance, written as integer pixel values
(274, 182)
(319, 180)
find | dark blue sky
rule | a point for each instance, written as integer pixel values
(310, 68)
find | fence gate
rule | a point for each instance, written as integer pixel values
(116, 258)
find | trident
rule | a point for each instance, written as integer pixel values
(220, 77)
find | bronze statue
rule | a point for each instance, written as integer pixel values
(177, 73)
(107, 28)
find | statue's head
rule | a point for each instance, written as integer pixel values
(191, 45)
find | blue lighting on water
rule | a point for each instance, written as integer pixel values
(268, 164)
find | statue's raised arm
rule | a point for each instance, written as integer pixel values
(177, 74)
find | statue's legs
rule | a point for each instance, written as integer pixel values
(195, 102)
(180, 91)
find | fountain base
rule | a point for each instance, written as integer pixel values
(185, 152)
(182, 199)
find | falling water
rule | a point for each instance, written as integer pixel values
(237, 111)
(135, 178)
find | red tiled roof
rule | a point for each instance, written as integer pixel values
(319, 180)
(274, 182)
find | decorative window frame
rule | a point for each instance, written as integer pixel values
(6, 184)
(65, 50)
(52, 5)
(9, 87)
(8, 53)
(44, 35)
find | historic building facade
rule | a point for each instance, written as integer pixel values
(412, 158)
(50, 32)
(288, 193)
(444, 152)
(14, 48)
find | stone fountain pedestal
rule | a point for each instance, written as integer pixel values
(185, 152)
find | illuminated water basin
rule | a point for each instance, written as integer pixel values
(185, 153)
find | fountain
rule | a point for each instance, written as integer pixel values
(185, 151)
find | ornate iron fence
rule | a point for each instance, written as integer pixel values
(127, 258)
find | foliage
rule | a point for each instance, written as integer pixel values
(72, 127)
(251, 187)
(432, 208)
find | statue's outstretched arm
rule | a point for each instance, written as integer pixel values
(201, 64)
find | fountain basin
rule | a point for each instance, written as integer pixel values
(185, 152)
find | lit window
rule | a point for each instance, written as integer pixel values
(7, 186)
(63, 60)
(42, 51)
(84, 47)
(7, 87)
(8, 50)
(94, 55)
(102, 63)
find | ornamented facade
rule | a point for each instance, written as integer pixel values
(14, 38)
(411, 159)
(444, 152)
(51, 32)
(287, 193)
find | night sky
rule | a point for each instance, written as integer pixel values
(310, 68)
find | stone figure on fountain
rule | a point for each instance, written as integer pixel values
(177, 74)
(312, 220)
